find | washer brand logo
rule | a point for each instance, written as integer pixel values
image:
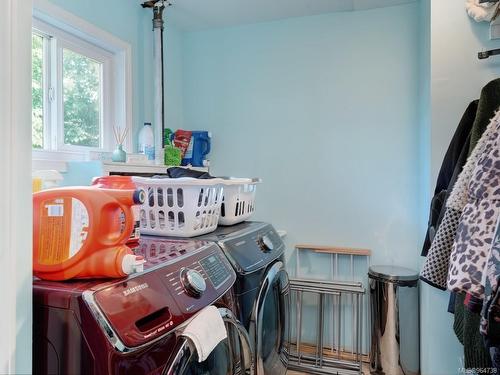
(159, 330)
(135, 289)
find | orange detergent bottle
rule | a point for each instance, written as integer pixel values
(80, 232)
(122, 183)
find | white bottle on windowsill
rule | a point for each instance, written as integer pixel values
(147, 142)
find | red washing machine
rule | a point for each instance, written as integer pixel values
(128, 326)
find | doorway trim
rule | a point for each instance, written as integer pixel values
(15, 187)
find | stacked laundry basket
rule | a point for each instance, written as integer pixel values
(188, 207)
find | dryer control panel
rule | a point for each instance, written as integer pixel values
(240, 247)
(180, 278)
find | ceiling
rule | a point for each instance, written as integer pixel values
(192, 15)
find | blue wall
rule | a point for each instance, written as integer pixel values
(438, 356)
(324, 109)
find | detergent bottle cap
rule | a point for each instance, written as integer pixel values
(139, 196)
(132, 263)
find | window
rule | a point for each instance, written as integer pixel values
(72, 92)
(82, 87)
(82, 99)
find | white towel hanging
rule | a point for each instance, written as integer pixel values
(206, 330)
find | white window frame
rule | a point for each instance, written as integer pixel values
(83, 37)
(59, 41)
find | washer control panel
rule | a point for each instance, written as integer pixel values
(208, 274)
(180, 278)
(216, 269)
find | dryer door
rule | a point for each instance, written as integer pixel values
(233, 356)
(269, 324)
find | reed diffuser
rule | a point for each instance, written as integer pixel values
(119, 154)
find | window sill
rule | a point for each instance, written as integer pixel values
(119, 168)
(57, 160)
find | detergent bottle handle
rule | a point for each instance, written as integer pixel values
(124, 200)
(137, 197)
(129, 223)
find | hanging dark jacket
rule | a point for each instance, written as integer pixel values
(453, 162)
(486, 108)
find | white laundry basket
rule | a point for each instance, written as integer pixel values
(239, 200)
(180, 207)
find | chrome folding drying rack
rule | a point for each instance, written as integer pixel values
(341, 356)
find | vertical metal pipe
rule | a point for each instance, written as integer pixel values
(334, 313)
(351, 297)
(299, 323)
(352, 267)
(332, 319)
(332, 322)
(365, 339)
(299, 307)
(361, 332)
(158, 100)
(158, 95)
(353, 323)
(320, 330)
(331, 267)
(297, 264)
(336, 265)
(356, 325)
(367, 320)
(162, 93)
(339, 318)
(338, 306)
(366, 311)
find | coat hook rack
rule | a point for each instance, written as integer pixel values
(485, 54)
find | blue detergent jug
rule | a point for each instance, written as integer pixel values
(198, 149)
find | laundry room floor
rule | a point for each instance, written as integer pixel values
(365, 371)
(305, 373)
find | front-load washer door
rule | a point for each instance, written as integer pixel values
(233, 356)
(269, 324)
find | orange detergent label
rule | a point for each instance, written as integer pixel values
(63, 229)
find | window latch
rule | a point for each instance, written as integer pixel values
(52, 95)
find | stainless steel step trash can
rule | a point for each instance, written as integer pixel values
(395, 333)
